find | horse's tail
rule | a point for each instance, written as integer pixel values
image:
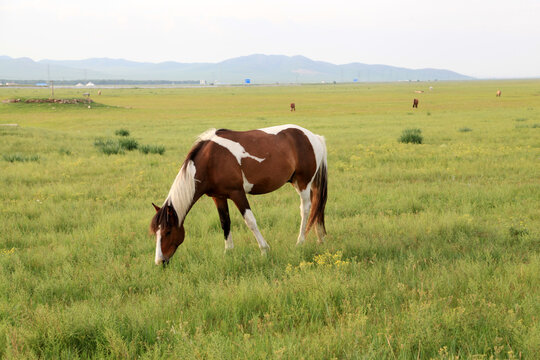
(319, 193)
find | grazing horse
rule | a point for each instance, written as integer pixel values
(226, 164)
(498, 93)
(293, 107)
(415, 103)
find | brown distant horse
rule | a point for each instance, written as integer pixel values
(415, 103)
(226, 164)
(498, 93)
(293, 107)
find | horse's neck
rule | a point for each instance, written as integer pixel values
(182, 194)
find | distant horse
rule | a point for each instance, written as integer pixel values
(415, 103)
(293, 107)
(226, 164)
(498, 93)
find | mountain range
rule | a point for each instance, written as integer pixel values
(260, 69)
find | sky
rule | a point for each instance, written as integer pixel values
(480, 38)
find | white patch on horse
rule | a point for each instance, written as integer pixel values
(207, 135)
(251, 223)
(274, 130)
(234, 148)
(183, 190)
(305, 206)
(317, 142)
(159, 254)
(229, 242)
(247, 185)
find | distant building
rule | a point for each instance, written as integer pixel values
(79, 85)
(90, 84)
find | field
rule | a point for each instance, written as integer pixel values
(433, 249)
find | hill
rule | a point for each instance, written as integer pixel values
(259, 68)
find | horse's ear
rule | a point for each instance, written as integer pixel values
(156, 207)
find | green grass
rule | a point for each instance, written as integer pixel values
(152, 149)
(128, 144)
(109, 146)
(122, 132)
(20, 158)
(411, 136)
(433, 250)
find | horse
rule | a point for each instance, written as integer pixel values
(225, 164)
(293, 107)
(415, 103)
(498, 93)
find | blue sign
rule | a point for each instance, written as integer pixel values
(247, 81)
(355, 80)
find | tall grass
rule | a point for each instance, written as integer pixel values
(413, 136)
(20, 157)
(152, 149)
(432, 250)
(122, 132)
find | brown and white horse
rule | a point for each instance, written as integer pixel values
(498, 93)
(226, 164)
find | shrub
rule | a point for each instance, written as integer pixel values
(98, 142)
(108, 147)
(111, 148)
(517, 231)
(465, 129)
(122, 132)
(64, 151)
(411, 136)
(128, 143)
(20, 158)
(152, 149)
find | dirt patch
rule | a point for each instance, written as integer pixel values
(55, 101)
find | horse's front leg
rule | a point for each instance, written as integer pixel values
(223, 210)
(240, 200)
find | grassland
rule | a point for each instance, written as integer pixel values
(433, 249)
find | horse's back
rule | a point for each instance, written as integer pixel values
(268, 158)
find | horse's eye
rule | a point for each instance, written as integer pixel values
(168, 232)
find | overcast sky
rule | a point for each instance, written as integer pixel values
(482, 38)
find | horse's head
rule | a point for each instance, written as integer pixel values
(169, 233)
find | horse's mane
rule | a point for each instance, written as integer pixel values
(165, 217)
(195, 150)
(182, 191)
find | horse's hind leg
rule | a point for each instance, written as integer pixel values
(305, 205)
(241, 202)
(223, 210)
